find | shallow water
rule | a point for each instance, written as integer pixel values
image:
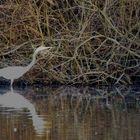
(70, 113)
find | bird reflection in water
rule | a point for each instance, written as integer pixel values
(12, 99)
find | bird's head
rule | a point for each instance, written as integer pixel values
(41, 48)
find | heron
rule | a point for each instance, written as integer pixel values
(12, 99)
(14, 72)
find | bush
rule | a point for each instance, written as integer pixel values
(94, 41)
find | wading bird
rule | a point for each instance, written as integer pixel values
(15, 100)
(15, 72)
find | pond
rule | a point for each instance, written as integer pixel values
(70, 113)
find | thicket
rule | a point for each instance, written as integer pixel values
(93, 41)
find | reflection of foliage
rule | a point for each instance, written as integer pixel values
(94, 41)
(76, 113)
(91, 112)
(120, 98)
(16, 120)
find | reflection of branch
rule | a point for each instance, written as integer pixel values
(114, 123)
(83, 97)
(119, 92)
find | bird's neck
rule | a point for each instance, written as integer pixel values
(32, 62)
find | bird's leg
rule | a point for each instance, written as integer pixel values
(12, 84)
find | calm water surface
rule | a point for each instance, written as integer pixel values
(70, 113)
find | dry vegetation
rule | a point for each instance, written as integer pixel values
(94, 41)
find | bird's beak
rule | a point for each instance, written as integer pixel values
(44, 47)
(45, 52)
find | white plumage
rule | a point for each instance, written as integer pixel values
(15, 72)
